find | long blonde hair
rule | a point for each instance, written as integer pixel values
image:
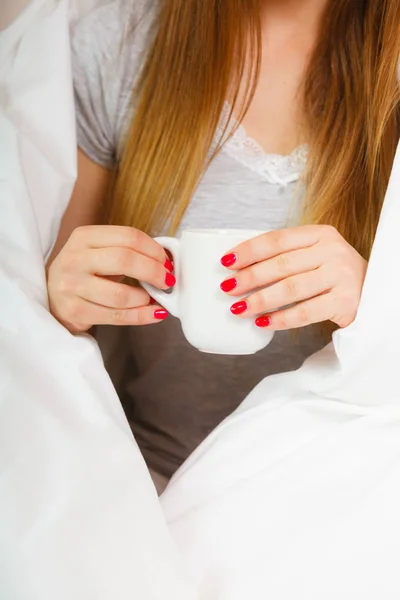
(198, 56)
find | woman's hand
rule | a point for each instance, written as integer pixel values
(311, 270)
(84, 279)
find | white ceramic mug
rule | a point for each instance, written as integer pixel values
(197, 300)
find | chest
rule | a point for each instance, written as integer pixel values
(274, 118)
(237, 193)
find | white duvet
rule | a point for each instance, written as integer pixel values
(295, 496)
(79, 515)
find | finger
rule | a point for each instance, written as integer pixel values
(273, 243)
(273, 270)
(284, 293)
(315, 310)
(103, 236)
(117, 261)
(104, 292)
(86, 314)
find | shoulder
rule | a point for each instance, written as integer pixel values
(114, 26)
(109, 46)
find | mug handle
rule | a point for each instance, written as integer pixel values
(169, 301)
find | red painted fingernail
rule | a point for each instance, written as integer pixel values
(152, 301)
(263, 321)
(239, 307)
(229, 285)
(228, 260)
(170, 280)
(169, 266)
(160, 314)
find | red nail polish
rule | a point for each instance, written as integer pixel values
(228, 260)
(170, 280)
(169, 266)
(152, 301)
(229, 285)
(239, 307)
(160, 314)
(263, 321)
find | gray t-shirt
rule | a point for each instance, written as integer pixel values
(172, 394)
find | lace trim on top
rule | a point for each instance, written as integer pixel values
(276, 168)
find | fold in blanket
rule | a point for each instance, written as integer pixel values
(295, 496)
(80, 518)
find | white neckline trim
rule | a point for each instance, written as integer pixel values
(275, 168)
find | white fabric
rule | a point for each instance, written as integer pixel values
(274, 168)
(79, 515)
(296, 496)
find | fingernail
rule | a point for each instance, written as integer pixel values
(228, 285)
(152, 301)
(169, 266)
(160, 314)
(228, 260)
(239, 307)
(263, 321)
(170, 280)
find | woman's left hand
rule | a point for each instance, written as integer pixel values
(311, 270)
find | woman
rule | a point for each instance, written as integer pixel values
(314, 85)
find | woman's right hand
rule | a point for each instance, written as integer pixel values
(84, 279)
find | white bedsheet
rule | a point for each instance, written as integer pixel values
(296, 496)
(79, 515)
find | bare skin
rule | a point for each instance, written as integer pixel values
(85, 267)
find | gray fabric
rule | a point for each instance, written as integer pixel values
(172, 394)
(160, 482)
